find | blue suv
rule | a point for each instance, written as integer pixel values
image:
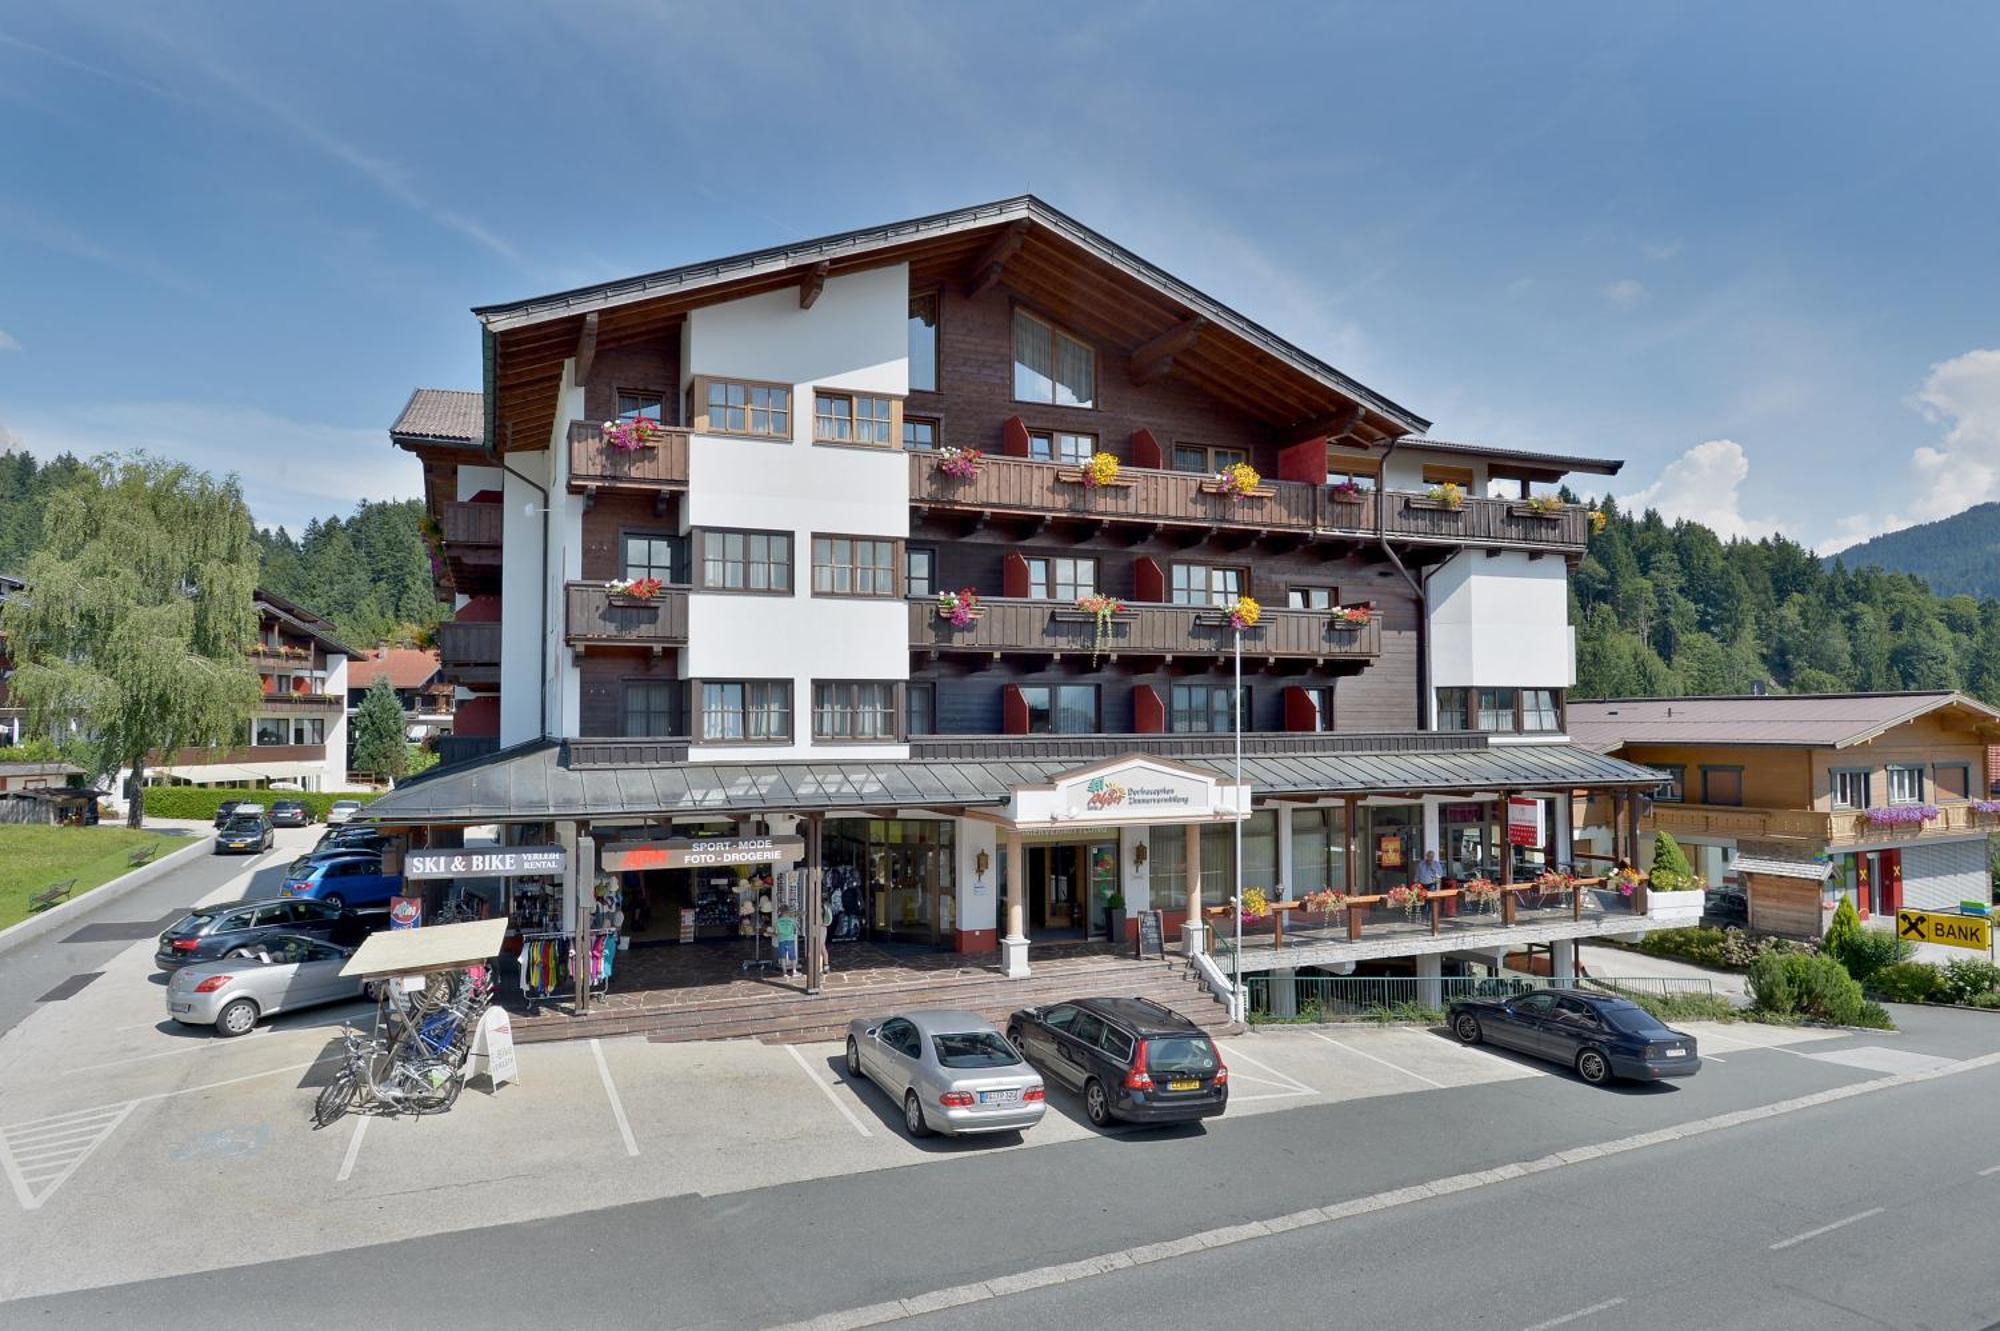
(352, 881)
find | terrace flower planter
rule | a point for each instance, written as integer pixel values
(1674, 909)
(1534, 514)
(1074, 476)
(1425, 504)
(1229, 491)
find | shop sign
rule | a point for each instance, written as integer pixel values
(406, 912)
(1389, 850)
(514, 862)
(1524, 822)
(1928, 926)
(1133, 791)
(1152, 934)
(495, 1040)
(700, 853)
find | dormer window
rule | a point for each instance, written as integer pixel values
(1052, 366)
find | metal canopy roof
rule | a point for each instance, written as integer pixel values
(534, 782)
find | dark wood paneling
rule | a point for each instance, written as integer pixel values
(601, 678)
(591, 614)
(653, 367)
(613, 514)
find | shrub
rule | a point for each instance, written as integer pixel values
(1696, 943)
(1841, 930)
(1671, 871)
(1872, 949)
(1906, 982)
(199, 803)
(1685, 1007)
(1968, 980)
(1787, 985)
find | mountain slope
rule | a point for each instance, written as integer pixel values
(1960, 553)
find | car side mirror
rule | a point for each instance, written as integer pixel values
(872, 1032)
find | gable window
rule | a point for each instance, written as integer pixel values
(920, 433)
(637, 406)
(853, 418)
(854, 710)
(1206, 584)
(1206, 460)
(853, 566)
(924, 342)
(1204, 709)
(1061, 579)
(1722, 785)
(740, 710)
(1850, 788)
(1312, 598)
(651, 708)
(1906, 784)
(1673, 790)
(758, 411)
(644, 554)
(746, 561)
(1061, 446)
(919, 572)
(1951, 781)
(1052, 366)
(1060, 709)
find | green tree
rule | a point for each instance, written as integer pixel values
(1841, 931)
(381, 743)
(1671, 871)
(140, 606)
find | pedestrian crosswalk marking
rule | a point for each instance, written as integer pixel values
(39, 1156)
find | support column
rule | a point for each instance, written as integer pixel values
(1014, 947)
(1430, 980)
(1285, 878)
(813, 909)
(1632, 823)
(1351, 817)
(1284, 998)
(1562, 834)
(580, 898)
(1562, 960)
(1433, 839)
(1192, 932)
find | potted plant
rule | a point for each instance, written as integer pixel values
(961, 464)
(1101, 470)
(1102, 610)
(1114, 906)
(1328, 903)
(1409, 899)
(1351, 616)
(1449, 496)
(1481, 896)
(960, 608)
(1904, 815)
(630, 436)
(1599, 520)
(1238, 480)
(1548, 507)
(1672, 892)
(1254, 904)
(1346, 492)
(1244, 614)
(640, 590)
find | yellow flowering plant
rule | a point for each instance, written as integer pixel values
(1102, 469)
(1244, 614)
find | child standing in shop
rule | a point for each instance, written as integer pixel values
(785, 934)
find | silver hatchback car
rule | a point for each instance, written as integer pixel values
(953, 1072)
(289, 971)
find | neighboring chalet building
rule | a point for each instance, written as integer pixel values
(413, 673)
(1875, 796)
(1022, 763)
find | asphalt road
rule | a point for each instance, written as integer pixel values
(98, 934)
(1675, 1232)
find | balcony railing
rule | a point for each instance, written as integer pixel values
(473, 524)
(1485, 521)
(1811, 828)
(596, 465)
(463, 748)
(594, 614)
(301, 702)
(243, 754)
(1145, 630)
(1256, 744)
(1140, 495)
(469, 643)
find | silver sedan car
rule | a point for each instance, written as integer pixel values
(952, 1071)
(288, 971)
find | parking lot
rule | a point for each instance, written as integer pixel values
(112, 1120)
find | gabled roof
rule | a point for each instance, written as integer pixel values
(441, 416)
(1814, 720)
(301, 620)
(1550, 461)
(406, 667)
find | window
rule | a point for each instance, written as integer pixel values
(1906, 784)
(919, 572)
(1953, 781)
(746, 561)
(1061, 446)
(1344, 467)
(1313, 598)
(1540, 710)
(309, 730)
(854, 710)
(1206, 460)
(651, 708)
(924, 342)
(1850, 788)
(1496, 710)
(920, 433)
(919, 708)
(848, 418)
(644, 554)
(1061, 579)
(1438, 475)
(636, 406)
(1166, 868)
(1722, 785)
(763, 411)
(1500, 711)
(1320, 698)
(1052, 366)
(1451, 709)
(271, 730)
(746, 710)
(1673, 790)
(1061, 709)
(853, 566)
(1204, 584)
(1200, 709)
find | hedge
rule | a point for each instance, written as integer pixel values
(199, 803)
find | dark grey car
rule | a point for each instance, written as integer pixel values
(238, 928)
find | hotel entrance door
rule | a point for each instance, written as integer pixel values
(1070, 887)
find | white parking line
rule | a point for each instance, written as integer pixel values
(1754, 1044)
(353, 1149)
(1393, 1067)
(826, 1090)
(617, 1105)
(1288, 1085)
(1486, 1059)
(205, 1046)
(1823, 1229)
(1993, 1169)
(1576, 1316)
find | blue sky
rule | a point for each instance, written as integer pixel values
(1747, 248)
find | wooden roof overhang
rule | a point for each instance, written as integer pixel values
(1051, 261)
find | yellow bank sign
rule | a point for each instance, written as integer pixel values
(1925, 926)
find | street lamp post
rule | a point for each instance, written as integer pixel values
(1242, 1012)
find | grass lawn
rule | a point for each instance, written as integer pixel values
(33, 858)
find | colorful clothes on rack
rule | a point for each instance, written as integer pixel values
(541, 966)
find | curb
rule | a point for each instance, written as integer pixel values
(48, 921)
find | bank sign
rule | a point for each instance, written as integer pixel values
(518, 862)
(1136, 791)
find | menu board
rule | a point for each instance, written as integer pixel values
(1152, 934)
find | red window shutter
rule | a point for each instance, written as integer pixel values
(1148, 582)
(1149, 714)
(1303, 462)
(1146, 450)
(1014, 437)
(1013, 574)
(1300, 714)
(1013, 711)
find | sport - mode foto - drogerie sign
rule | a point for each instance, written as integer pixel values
(516, 862)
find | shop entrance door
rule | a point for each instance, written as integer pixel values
(911, 880)
(1052, 888)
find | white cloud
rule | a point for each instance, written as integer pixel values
(8, 342)
(1625, 293)
(1704, 485)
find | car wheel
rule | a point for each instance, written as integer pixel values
(853, 1058)
(238, 1018)
(333, 900)
(1593, 1067)
(1020, 1046)
(913, 1116)
(1466, 1028)
(1096, 1104)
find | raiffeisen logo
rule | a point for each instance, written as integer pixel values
(1103, 794)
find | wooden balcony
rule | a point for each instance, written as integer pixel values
(473, 524)
(1163, 631)
(243, 755)
(1810, 829)
(594, 465)
(292, 703)
(594, 617)
(469, 652)
(1168, 498)
(1488, 522)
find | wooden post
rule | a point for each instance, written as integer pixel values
(583, 868)
(1508, 905)
(815, 909)
(1437, 909)
(1575, 898)
(1354, 914)
(1277, 929)
(1506, 849)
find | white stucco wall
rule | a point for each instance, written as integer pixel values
(334, 776)
(1501, 620)
(853, 337)
(521, 655)
(476, 480)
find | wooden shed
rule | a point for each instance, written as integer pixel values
(1785, 896)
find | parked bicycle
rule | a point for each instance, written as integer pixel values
(414, 1061)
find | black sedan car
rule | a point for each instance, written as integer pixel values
(1600, 1036)
(238, 928)
(1131, 1059)
(245, 834)
(290, 813)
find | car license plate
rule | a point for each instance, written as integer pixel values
(180, 1007)
(1184, 1084)
(1677, 1053)
(999, 1097)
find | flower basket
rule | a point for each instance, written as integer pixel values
(1327, 903)
(1102, 611)
(1599, 520)
(1351, 616)
(1904, 815)
(960, 464)
(1100, 473)
(631, 436)
(959, 608)
(1254, 904)
(1239, 481)
(1986, 806)
(1243, 616)
(1446, 498)
(1346, 492)
(1408, 899)
(1546, 507)
(1481, 896)
(639, 591)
